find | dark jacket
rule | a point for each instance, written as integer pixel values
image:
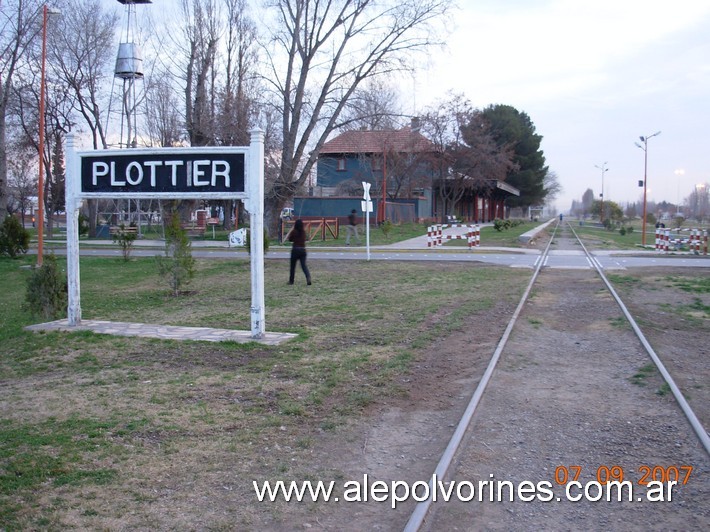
(298, 238)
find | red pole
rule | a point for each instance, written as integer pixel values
(384, 183)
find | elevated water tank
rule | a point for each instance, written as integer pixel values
(129, 63)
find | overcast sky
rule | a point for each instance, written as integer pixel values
(592, 76)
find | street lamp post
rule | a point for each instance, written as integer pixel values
(40, 182)
(679, 174)
(604, 169)
(645, 179)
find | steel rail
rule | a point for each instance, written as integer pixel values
(687, 410)
(422, 508)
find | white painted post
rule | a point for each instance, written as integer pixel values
(255, 206)
(71, 188)
(368, 206)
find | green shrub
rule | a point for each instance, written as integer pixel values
(622, 231)
(83, 225)
(47, 290)
(14, 239)
(125, 240)
(386, 227)
(502, 225)
(177, 267)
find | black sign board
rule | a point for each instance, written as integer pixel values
(167, 172)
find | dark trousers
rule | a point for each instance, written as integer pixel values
(298, 255)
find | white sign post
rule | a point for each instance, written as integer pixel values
(367, 209)
(235, 172)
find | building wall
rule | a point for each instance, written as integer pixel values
(356, 167)
(339, 207)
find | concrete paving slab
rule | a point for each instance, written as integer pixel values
(163, 332)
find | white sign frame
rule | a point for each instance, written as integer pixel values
(252, 197)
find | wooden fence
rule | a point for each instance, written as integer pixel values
(316, 228)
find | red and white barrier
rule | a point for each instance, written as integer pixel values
(666, 239)
(663, 237)
(436, 236)
(698, 240)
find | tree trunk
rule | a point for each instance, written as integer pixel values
(272, 214)
(93, 212)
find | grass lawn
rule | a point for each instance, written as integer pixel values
(600, 238)
(101, 432)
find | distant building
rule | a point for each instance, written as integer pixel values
(400, 161)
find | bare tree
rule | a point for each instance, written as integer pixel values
(237, 103)
(698, 202)
(25, 106)
(81, 51)
(321, 53)
(552, 186)
(22, 178)
(165, 122)
(201, 33)
(20, 24)
(442, 125)
(587, 200)
(58, 107)
(237, 99)
(375, 106)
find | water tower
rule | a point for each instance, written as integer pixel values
(129, 71)
(128, 89)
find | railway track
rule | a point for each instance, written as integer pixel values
(566, 396)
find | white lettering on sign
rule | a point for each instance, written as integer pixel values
(132, 169)
(115, 183)
(174, 165)
(152, 165)
(98, 170)
(224, 172)
(199, 173)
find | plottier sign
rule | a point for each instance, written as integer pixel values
(167, 172)
(203, 173)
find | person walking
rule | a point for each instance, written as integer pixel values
(351, 228)
(297, 236)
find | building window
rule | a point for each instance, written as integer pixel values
(341, 164)
(376, 162)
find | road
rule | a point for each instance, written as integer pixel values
(515, 258)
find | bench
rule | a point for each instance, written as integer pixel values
(193, 229)
(129, 229)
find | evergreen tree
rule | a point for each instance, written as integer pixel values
(512, 128)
